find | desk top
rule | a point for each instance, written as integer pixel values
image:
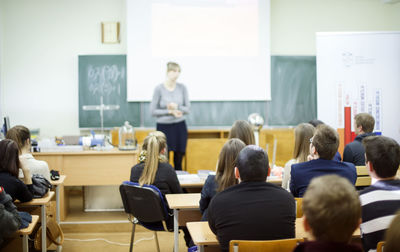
(202, 234)
(58, 182)
(183, 200)
(28, 230)
(114, 151)
(37, 202)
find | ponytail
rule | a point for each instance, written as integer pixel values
(154, 143)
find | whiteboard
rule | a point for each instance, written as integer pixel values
(223, 48)
(360, 70)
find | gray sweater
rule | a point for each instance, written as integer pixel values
(162, 97)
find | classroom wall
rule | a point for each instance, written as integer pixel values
(40, 42)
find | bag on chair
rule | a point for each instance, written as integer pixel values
(40, 185)
(53, 232)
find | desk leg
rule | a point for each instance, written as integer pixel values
(176, 231)
(58, 212)
(201, 248)
(44, 219)
(25, 247)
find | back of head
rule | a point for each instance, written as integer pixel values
(326, 141)
(253, 164)
(316, 122)
(366, 121)
(302, 134)
(226, 163)
(9, 157)
(332, 208)
(242, 130)
(392, 235)
(153, 144)
(384, 154)
(19, 134)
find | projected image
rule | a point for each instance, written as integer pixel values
(221, 28)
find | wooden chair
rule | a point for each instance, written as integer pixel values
(379, 247)
(285, 245)
(299, 209)
(363, 179)
(26, 232)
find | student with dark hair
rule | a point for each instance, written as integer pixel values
(332, 212)
(9, 169)
(253, 209)
(323, 146)
(381, 200)
(10, 219)
(224, 177)
(363, 126)
(22, 136)
(316, 123)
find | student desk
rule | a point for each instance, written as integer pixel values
(186, 202)
(25, 232)
(89, 168)
(203, 236)
(42, 202)
(57, 184)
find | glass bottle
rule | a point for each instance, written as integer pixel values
(127, 137)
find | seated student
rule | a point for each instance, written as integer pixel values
(381, 200)
(9, 168)
(21, 135)
(153, 167)
(224, 177)
(253, 209)
(323, 146)
(10, 220)
(363, 126)
(332, 212)
(302, 134)
(242, 130)
(392, 235)
(315, 123)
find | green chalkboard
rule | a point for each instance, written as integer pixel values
(293, 91)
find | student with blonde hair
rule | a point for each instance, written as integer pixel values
(332, 212)
(392, 236)
(302, 134)
(153, 167)
(242, 130)
(224, 177)
(22, 136)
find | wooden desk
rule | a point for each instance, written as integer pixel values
(203, 236)
(184, 201)
(42, 202)
(57, 184)
(25, 232)
(89, 168)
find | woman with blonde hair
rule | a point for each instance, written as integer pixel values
(169, 105)
(242, 130)
(224, 177)
(153, 167)
(302, 134)
(22, 136)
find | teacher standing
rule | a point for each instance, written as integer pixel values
(170, 104)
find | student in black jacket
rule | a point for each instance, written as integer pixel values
(9, 169)
(254, 209)
(9, 217)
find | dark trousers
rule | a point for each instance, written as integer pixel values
(178, 156)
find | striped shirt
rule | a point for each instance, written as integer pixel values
(379, 204)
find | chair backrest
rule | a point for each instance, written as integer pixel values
(145, 202)
(379, 247)
(363, 179)
(299, 207)
(285, 245)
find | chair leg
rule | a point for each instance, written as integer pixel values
(132, 236)
(158, 245)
